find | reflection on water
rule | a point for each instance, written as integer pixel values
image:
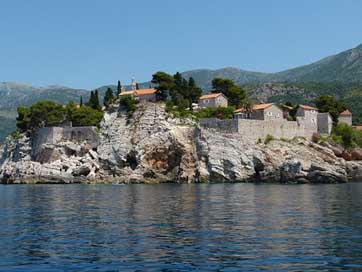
(181, 227)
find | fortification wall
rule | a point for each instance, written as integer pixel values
(56, 135)
(259, 129)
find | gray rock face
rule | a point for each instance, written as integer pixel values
(154, 147)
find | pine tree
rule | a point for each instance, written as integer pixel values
(119, 87)
(97, 105)
(108, 97)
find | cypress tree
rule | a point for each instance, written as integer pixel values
(81, 101)
(137, 87)
(108, 97)
(97, 105)
(119, 87)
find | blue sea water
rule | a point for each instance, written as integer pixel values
(168, 227)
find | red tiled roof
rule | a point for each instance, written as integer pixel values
(305, 107)
(262, 106)
(357, 127)
(127, 93)
(255, 107)
(139, 92)
(145, 92)
(346, 113)
(211, 95)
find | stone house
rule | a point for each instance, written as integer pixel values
(325, 123)
(308, 113)
(213, 100)
(345, 117)
(265, 112)
(143, 95)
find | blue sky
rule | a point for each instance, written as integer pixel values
(90, 43)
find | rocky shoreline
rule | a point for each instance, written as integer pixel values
(155, 147)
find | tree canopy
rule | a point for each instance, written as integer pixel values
(326, 103)
(236, 95)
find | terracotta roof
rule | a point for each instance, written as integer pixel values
(346, 113)
(127, 93)
(305, 107)
(145, 92)
(262, 106)
(255, 107)
(357, 127)
(239, 110)
(139, 92)
(211, 95)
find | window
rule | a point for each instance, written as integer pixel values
(269, 113)
(206, 101)
(278, 115)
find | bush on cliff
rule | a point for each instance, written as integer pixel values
(40, 114)
(128, 103)
(86, 116)
(48, 113)
(220, 113)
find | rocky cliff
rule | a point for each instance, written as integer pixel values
(154, 147)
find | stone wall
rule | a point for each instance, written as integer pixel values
(259, 129)
(57, 135)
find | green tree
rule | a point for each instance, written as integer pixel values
(235, 94)
(119, 87)
(86, 116)
(23, 119)
(326, 103)
(108, 97)
(128, 103)
(70, 109)
(94, 100)
(164, 82)
(346, 133)
(81, 102)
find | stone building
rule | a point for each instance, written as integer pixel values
(325, 123)
(213, 100)
(345, 117)
(261, 112)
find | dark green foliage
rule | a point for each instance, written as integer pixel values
(346, 134)
(235, 94)
(137, 86)
(81, 101)
(327, 103)
(108, 98)
(41, 114)
(119, 87)
(181, 92)
(220, 113)
(48, 113)
(164, 84)
(129, 104)
(94, 100)
(86, 116)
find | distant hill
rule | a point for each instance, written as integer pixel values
(343, 67)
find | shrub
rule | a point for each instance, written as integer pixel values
(316, 137)
(268, 139)
(86, 116)
(129, 103)
(346, 134)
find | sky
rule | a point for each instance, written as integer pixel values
(91, 43)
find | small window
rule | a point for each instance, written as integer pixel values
(206, 101)
(278, 115)
(269, 113)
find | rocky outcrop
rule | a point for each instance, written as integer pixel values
(154, 147)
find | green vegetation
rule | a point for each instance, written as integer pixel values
(94, 101)
(181, 92)
(326, 103)
(49, 113)
(236, 95)
(108, 98)
(119, 87)
(220, 113)
(268, 139)
(128, 103)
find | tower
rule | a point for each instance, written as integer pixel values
(134, 84)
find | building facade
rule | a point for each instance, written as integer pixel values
(213, 100)
(345, 117)
(325, 123)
